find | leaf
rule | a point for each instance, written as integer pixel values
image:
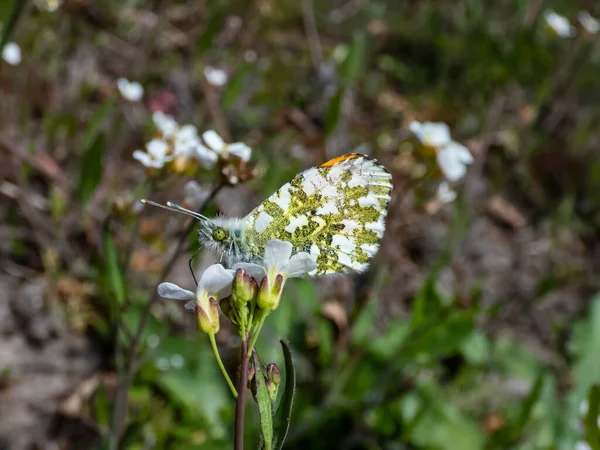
(526, 410)
(441, 339)
(93, 129)
(91, 169)
(9, 25)
(354, 62)
(591, 420)
(115, 275)
(284, 410)
(332, 116)
(428, 303)
(264, 405)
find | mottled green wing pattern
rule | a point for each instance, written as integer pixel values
(335, 212)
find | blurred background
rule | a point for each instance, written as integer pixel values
(476, 327)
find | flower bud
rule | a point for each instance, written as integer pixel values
(208, 320)
(272, 389)
(269, 293)
(244, 288)
(273, 373)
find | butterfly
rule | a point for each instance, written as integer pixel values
(335, 212)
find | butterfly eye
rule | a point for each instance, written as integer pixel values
(219, 234)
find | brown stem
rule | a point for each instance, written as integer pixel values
(240, 404)
(122, 395)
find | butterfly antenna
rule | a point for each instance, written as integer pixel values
(170, 206)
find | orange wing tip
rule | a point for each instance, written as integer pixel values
(339, 159)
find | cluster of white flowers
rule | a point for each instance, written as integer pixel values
(216, 282)
(130, 90)
(183, 141)
(562, 27)
(453, 158)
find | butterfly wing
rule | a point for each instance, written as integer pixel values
(335, 212)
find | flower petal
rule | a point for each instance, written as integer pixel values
(165, 124)
(277, 254)
(445, 194)
(300, 264)
(207, 157)
(157, 148)
(216, 282)
(172, 291)
(11, 53)
(453, 160)
(213, 140)
(145, 159)
(240, 150)
(254, 270)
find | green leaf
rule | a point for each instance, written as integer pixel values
(91, 168)
(428, 303)
(332, 116)
(284, 410)
(441, 339)
(93, 128)
(18, 7)
(526, 409)
(591, 420)
(354, 62)
(115, 275)
(264, 405)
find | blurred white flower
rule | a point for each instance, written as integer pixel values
(188, 143)
(130, 90)
(559, 24)
(221, 148)
(581, 445)
(162, 364)
(11, 53)
(48, 5)
(431, 134)
(157, 154)
(165, 124)
(453, 160)
(445, 194)
(215, 76)
(177, 361)
(194, 195)
(588, 22)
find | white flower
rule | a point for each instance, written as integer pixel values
(130, 90)
(582, 446)
(11, 53)
(590, 24)
(214, 285)
(453, 159)
(215, 76)
(431, 134)
(445, 194)
(187, 143)
(194, 195)
(278, 265)
(218, 145)
(48, 5)
(157, 154)
(559, 24)
(165, 124)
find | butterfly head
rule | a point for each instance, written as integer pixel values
(223, 235)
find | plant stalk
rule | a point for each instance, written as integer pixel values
(240, 405)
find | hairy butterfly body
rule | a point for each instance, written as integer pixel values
(335, 212)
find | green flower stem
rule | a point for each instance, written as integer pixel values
(262, 315)
(213, 343)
